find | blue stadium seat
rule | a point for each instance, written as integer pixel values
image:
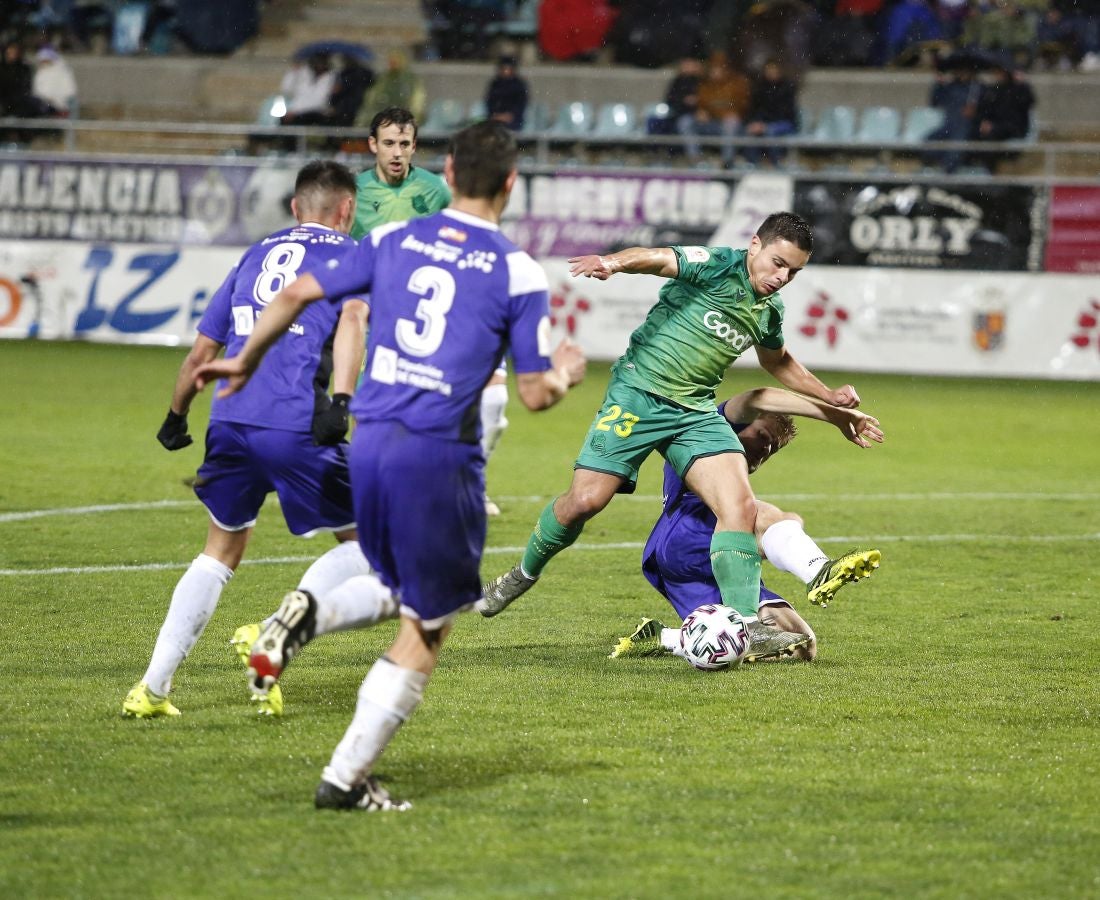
(616, 120)
(920, 122)
(879, 125)
(835, 124)
(574, 120)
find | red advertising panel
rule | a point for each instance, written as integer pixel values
(1073, 240)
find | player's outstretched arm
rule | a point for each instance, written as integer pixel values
(857, 427)
(632, 261)
(173, 433)
(541, 390)
(272, 325)
(789, 372)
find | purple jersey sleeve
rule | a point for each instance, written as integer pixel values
(217, 319)
(529, 331)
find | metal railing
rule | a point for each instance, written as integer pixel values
(1042, 160)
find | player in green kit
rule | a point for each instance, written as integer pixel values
(394, 191)
(718, 303)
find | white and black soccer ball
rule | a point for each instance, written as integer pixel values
(714, 637)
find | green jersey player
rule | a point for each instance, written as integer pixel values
(717, 304)
(395, 190)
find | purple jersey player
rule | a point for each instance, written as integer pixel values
(676, 558)
(262, 439)
(449, 295)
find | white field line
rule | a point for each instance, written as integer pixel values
(969, 496)
(863, 540)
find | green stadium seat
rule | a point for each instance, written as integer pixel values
(574, 120)
(444, 116)
(879, 125)
(920, 122)
(616, 120)
(835, 125)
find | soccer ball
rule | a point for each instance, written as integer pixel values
(714, 637)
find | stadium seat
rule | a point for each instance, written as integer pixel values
(444, 116)
(835, 124)
(574, 120)
(478, 111)
(879, 125)
(271, 111)
(616, 120)
(805, 123)
(537, 118)
(920, 122)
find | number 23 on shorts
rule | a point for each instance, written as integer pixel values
(621, 422)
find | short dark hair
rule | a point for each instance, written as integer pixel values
(320, 182)
(786, 226)
(393, 115)
(483, 155)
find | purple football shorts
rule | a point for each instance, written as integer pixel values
(420, 507)
(245, 463)
(676, 561)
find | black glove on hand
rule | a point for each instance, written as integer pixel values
(331, 425)
(173, 433)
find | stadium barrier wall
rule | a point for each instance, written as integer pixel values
(908, 275)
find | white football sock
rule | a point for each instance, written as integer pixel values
(388, 696)
(193, 603)
(331, 569)
(494, 399)
(359, 602)
(790, 549)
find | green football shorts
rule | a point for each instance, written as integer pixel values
(632, 423)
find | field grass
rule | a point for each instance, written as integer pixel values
(944, 745)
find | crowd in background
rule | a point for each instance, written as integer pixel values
(1024, 34)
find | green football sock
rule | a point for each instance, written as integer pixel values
(736, 564)
(548, 539)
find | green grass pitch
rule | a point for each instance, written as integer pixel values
(944, 745)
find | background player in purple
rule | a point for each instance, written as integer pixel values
(262, 439)
(676, 558)
(449, 295)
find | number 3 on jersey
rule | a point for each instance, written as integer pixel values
(436, 288)
(624, 422)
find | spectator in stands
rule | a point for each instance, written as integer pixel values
(773, 111)
(53, 88)
(574, 29)
(910, 22)
(308, 87)
(848, 37)
(91, 22)
(681, 99)
(398, 86)
(352, 83)
(506, 96)
(1002, 31)
(469, 23)
(1003, 112)
(956, 92)
(723, 102)
(16, 78)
